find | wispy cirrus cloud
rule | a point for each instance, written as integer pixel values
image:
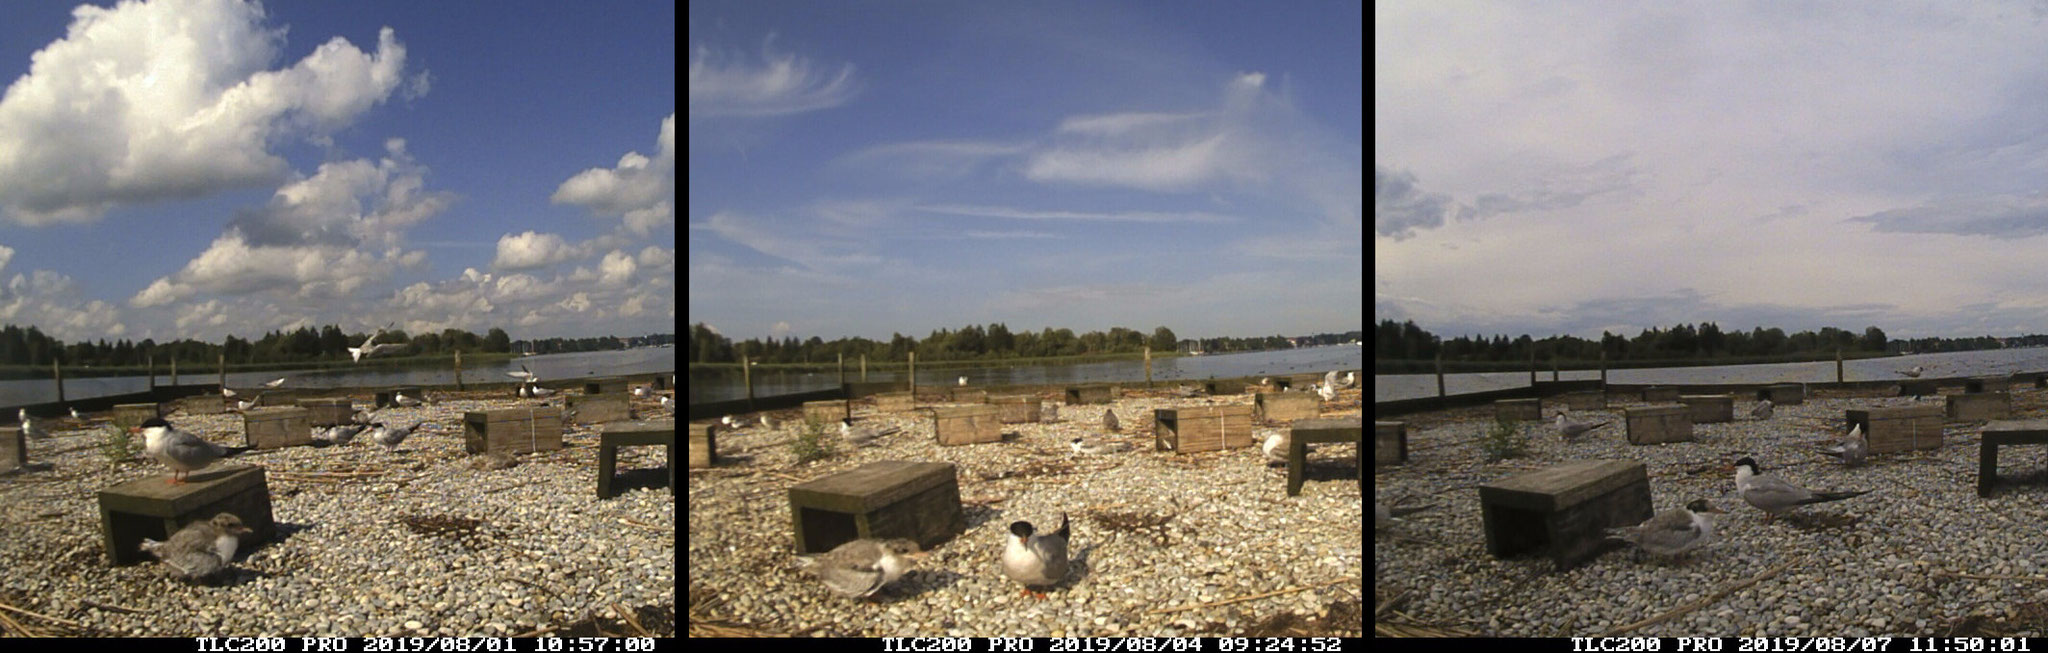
(1027, 214)
(776, 84)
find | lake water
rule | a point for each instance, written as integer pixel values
(725, 384)
(1388, 387)
(548, 367)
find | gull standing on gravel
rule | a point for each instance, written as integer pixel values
(1572, 430)
(1774, 495)
(641, 391)
(766, 423)
(862, 567)
(182, 452)
(1854, 451)
(31, 428)
(1674, 531)
(1036, 560)
(963, 381)
(668, 403)
(1762, 410)
(404, 401)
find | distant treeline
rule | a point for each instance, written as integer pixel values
(971, 342)
(1403, 347)
(30, 346)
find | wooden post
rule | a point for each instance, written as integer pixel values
(747, 375)
(458, 369)
(174, 373)
(1532, 366)
(1553, 368)
(863, 368)
(58, 371)
(913, 378)
(1838, 364)
(1603, 370)
(842, 373)
(1148, 367)
(1440, 394)
(223, 368)
(149, 361)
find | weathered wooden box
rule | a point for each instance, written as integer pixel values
(206, 404)
(1659, 424)
(1517, 409)
(1660, 395)
(1710, 408)
(703, 445)
(13, 448)
(1215, 388)
(329, 412)
(275, 428)
(1202, 428)
(1987, 384)
(1015, 409)
(1919, 388)
(828, 412)
(918, 501)
(1783, 394)
(1903, 428)
(1562, 512)
(1287, 406)
(128, 416)
(1389, 443)
(512, 430)
(605, 385)
(151, 507)
(966, 424)
(1980, 406)
(385, 398)
(594, 409)
(968, 396)
(894, 402)
(1584, 400)
(1087, 394)
(632, 434)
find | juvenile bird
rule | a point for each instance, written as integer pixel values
(861, 437)
(862, 567)
(1109, 422)
(1674, 531)
(390, 437)
(1762, 410)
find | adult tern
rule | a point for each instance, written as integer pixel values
(1774, 495)
(183, 452)
(1036, 559)
(1572, 430)
(1854, 451)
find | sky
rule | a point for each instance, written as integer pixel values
(863, 169)
(198, 168)
(1573, 168)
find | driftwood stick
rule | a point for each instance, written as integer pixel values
(633, 621)
(16, 626)
(1695, 605)
(1983, 577)
(1248, 598)
(1381, 611)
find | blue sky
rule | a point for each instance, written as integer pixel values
(193, 168)
(1574, 168)
(863, 169)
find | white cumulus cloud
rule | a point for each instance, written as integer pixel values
(167, 99)
(641, 190)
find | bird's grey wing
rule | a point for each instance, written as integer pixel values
(1052, 551)
(190, 450)
(852, 569)
(1774, 491)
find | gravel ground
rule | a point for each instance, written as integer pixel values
(415, 542)
(1885, 563)
(1157, 530)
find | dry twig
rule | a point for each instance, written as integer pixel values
(1248, 598)
(1704, 600)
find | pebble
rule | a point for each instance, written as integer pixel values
(1872, 562)
(346, 563)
